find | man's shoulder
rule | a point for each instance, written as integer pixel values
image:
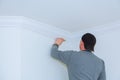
(93, 55)
(98, 58)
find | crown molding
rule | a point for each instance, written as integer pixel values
(99, 30)
(51, 31)
(33, 25)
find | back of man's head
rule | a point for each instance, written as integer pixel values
(89, 41)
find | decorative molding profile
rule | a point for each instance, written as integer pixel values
(51, 31)
(33, 25)
(100, 30)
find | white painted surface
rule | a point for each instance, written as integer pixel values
(71, 15)
(108, 49)
(10, 63)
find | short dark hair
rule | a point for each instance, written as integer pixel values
(89, 41)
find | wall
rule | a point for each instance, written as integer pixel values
(108, 49)
(9, 54)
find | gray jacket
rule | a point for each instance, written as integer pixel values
(81, 65)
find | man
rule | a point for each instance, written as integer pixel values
(81, 65)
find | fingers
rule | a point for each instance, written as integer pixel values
(62, 39)
(59, 41)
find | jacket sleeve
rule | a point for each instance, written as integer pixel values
(103, 73)
(63, 56)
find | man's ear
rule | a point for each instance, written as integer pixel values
(82, 47)
(82, 44)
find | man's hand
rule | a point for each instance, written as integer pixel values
(59, 41)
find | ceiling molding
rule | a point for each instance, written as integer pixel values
(33, 25)
(99, 30)
(51, 31)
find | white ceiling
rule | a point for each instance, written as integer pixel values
(70, 15)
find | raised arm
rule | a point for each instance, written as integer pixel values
(63, 56)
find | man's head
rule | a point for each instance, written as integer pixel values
(88, 42)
